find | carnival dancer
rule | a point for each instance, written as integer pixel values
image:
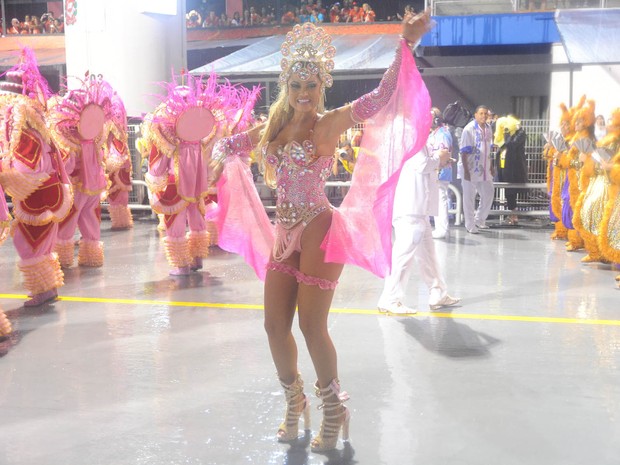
(118, 167)
(302, 263)
(556, 144)
(593, 184)
(77, 123)
(608, 150)
(177, 138)
(32, 173)
(568, 182)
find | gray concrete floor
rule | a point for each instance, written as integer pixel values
(132, 366)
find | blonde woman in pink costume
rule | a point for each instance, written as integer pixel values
(32, 173)
(77, 122)
(302, 263)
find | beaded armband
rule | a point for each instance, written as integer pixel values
(238, 145)
(369, 105)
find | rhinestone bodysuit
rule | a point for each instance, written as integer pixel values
(301, 178)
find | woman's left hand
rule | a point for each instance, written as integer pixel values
(415, 26)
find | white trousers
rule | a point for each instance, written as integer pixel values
(442, 221)
(486, 191)
(412, 241)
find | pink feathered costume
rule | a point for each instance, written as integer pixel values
(32, 173)
(118, 168)
(84, 161)
(178, 175)
(399, 111)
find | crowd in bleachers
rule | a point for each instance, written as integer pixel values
(32, 24)
(345, 11)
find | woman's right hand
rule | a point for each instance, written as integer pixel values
(415, 26)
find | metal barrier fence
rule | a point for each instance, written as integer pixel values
(531, 199)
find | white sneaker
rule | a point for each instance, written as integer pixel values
(482, 226)
(445, 301)
(473, 230)
(440, 235)
(397, 309)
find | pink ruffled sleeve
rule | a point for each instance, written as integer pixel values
(398, 131)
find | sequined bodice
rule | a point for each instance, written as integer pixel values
(300, 181)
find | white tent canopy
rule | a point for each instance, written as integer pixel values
(360, 52)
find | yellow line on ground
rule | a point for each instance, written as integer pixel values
(354, 311)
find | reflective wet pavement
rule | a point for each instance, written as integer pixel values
(132, 366)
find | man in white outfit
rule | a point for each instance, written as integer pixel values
(415, 200)
(475, 169)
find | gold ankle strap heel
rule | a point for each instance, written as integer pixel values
(335, 416)
(296, 403)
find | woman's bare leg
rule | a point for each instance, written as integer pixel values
(314, 303)
(280, 302)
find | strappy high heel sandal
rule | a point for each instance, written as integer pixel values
(296, 403)
(335, 416)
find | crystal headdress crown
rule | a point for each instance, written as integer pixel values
(307, 50)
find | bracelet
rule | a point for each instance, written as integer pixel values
(410, 45)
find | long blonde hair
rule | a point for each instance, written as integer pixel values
(280, 113)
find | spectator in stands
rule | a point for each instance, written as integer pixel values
(356, 15)
(267, 16)
(476, 170)
(15, 27)
(59, 25)
(304, 15)
(344, 11)
(316, 16)
(334, 13)
(255, 18)
(408, 10)
(211, 20)
(369, 14)
(193, 19)
(35, 26)
(247, 18)
(224, 21)
(289, 17)
(236, 19)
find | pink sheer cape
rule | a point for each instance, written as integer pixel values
(242, 224)
(398, 132)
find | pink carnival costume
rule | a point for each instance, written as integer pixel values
(77, 123)
(399, 110)
(32, 173)
(118, 167)
(178, 138)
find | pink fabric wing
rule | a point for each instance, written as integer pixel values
(242, 224)
(397, 133)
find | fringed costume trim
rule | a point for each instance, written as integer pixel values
(198, 242)
(90, 253)
(120, 216)
(65, 252)
(177, 251)
(42, 273)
